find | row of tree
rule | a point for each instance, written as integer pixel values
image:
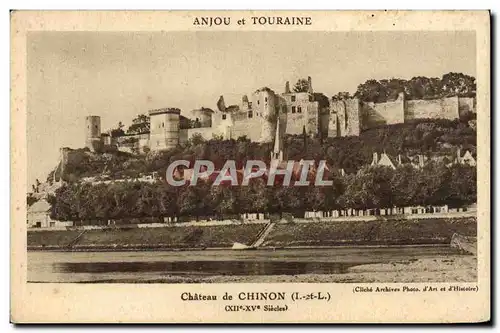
(420, 87)
(371, 187)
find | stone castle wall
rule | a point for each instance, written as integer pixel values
(337, 113)
(204, 116)
(376, 114)
(446, 108)
(348, 120)
(466, 105)
(132, 143)
(312, 118)
(295, 123)
(69, 156)
(206, 133)
(324, 123)
(308, 117)
(265, 105)
(353, 109)
(349, 117)
(247, 127)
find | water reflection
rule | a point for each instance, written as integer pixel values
(206, 267)
(140, 266)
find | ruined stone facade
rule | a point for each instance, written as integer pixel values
(256, 117)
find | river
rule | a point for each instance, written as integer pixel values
(180, 266)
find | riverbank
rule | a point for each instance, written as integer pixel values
(445, 269)
(321, 265)
(440, 269)
(380, 232)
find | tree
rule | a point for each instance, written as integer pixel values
(404, 185)
(461, 189)
(343, 95)
(333, 193)
(458, 84)
(192, 200)
(118, 131)
(431, 184)
(371, 91)
(252, 198)
(421, 87)
(222, 200)
(148, 203)
(140, 124)
(167, 196)
(64, 203)
(285, 199)
(196, 139)
(314, 198)
(370, 188)
(302, 85)
(30, 199)
(243, 138)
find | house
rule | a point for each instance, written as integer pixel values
(384, 160)
(39, 216)
(467, 159)
(418, 161)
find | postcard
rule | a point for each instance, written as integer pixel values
(250, 166)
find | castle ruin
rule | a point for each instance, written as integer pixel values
(257, 118)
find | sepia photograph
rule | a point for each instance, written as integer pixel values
(251, 157)
(244, 164)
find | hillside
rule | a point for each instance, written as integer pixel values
(431, 137)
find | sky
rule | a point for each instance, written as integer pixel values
(118, 75)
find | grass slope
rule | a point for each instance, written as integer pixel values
(379, 232)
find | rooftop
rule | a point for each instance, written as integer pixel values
(164, 110)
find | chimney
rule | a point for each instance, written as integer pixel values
(287, 87)
(421, 160)
(459, 155)
(309, 84)
(399, 159)
(375, 158)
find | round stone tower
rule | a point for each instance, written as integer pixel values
(164, 128)
(204, 116)
(264, 105)
(93, 132)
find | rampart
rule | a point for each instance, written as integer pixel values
(375, 114)
(349, 116)
(446, 108)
